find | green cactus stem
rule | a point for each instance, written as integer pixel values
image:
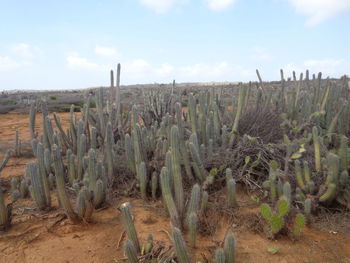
(180, 248)
(129, 225)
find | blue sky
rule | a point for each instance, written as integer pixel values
(73, 44)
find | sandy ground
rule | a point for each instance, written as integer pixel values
(38, 236)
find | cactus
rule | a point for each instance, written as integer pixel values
(84, 204)
(275, 219)
(129, 153)
(5, 213)
(43, 176)
(5, 160)
(204, 202)
(220, 256)
(71, 160)
(37, 189)
(80, 155)
(99, 193)
(299, 223)
(307, 208)
(109, 142)
(176, 170)
(149, 244)
(32, 113)
(231, 193)
(17, 144)
(343, 153)
(317, 152)
(168, 198)
(192, 112)
(23, 188)
(131, 252)
(129, 225)
(287, 192)
(229, 248)
(192, 223)
(180, 248)
(154, 182)
(143, 180)
(193, 205)
(62, 195)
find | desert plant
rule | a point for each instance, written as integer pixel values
(129, 225)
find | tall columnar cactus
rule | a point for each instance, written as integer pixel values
(129, 225)
(137, 150)
(5, 213)
(23, 188)
(5, 160)
(80, 155)
(192, 110)
(193, 224)
(92, 170)
(17, 144)
(129, 153)
(198, 167)
(229, 249)
(204, 202)
(32, 114)
(130, 252)
(193, 204)
(220, 256)
(241, 99)
(43, 175)
(168, 198)
(176, 169)
(180, 248)
(47, 161)
(36, 188)
(343, 153)
(62, 195)
(231, 193)
(109, 143)
(93, 141)
(154, 183)
(84, 204)
(299, 175)
(143, 180)
(317, 150)
(71, 164)
(99, 193)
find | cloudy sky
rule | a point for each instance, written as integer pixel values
(74, 43)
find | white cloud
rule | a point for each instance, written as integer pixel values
(318, 11)
(106, 51)
(259, 53)
(159, 6)
(219, 5)
(7, 63)
(76, 62)
(22, 50)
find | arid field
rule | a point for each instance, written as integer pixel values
(248, 172)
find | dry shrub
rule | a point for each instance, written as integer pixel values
(235, 159)
(263, 123)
